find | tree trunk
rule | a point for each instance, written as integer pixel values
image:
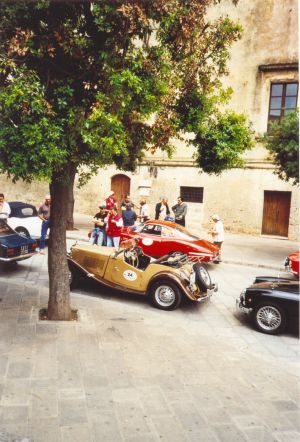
(59, 291)
(71, 200)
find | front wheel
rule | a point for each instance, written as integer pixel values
(269, 318)
(165, 295)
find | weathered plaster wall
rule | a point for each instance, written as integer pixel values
(270, 36)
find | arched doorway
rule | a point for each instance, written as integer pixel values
(120, 184)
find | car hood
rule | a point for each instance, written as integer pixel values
(292, 286)
(205, 245)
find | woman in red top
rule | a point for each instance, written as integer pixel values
(110, 201)
(113, 229)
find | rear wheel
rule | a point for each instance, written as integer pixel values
(269, 317)
(22, 231)
(165, 295)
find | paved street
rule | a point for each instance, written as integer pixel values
(128, 372)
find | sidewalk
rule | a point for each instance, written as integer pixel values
(258, 251)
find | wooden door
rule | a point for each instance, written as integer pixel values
(120, 184)
(276, 213)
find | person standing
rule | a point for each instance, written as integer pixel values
(44, 214)
(127, 202)
(4, 208)
(98, 235)
(217, 232)
(110, 201)
(162, 209)
(129, 216)
(180, 210)
(144, 211)
(113, 229)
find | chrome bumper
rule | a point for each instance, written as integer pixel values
(18, 258)
(239, 306)
(214, 288)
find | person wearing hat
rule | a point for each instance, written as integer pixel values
(217, 232)
(110, 201)
(98, 235)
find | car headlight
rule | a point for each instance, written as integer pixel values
(242, 295)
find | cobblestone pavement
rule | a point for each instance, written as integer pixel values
(128, 372)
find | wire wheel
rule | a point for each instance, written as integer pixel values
(270, 318)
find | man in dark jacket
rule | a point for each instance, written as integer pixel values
(129, 216)
(162, 209)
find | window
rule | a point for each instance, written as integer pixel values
(192, 194)
(152, 229)
(283, 99)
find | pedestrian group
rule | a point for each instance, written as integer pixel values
(108, 222)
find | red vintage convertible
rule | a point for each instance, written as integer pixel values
(158, 238)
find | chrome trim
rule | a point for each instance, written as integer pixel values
(18, 258)
(241, 307)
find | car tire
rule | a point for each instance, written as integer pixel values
(165, 295)
(22, 231)
(269, 317)
(203, 279)
(74, 278)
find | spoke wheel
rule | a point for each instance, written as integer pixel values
(165, 295)
(269, 318)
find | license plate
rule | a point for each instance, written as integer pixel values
(24, 250)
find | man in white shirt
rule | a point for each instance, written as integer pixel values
(4, 208)
(218, 234)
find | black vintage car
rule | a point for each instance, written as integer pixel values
(272, 302)
(13, 246)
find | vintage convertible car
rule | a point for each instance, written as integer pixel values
(273, 303)
(165, 280)
(157, 238)
(13, 246)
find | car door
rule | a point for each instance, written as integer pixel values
(150, 240)
(123, 274)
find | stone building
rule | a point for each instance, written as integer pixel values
(264, 76)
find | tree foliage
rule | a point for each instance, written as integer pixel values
(79, 83)
(282, 141)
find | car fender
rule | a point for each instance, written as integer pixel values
(75, 266)
(174, 278)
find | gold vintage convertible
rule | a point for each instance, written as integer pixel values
(165, 280)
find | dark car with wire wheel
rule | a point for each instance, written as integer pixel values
(13, 246)
(273, 304)
(165, 281)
